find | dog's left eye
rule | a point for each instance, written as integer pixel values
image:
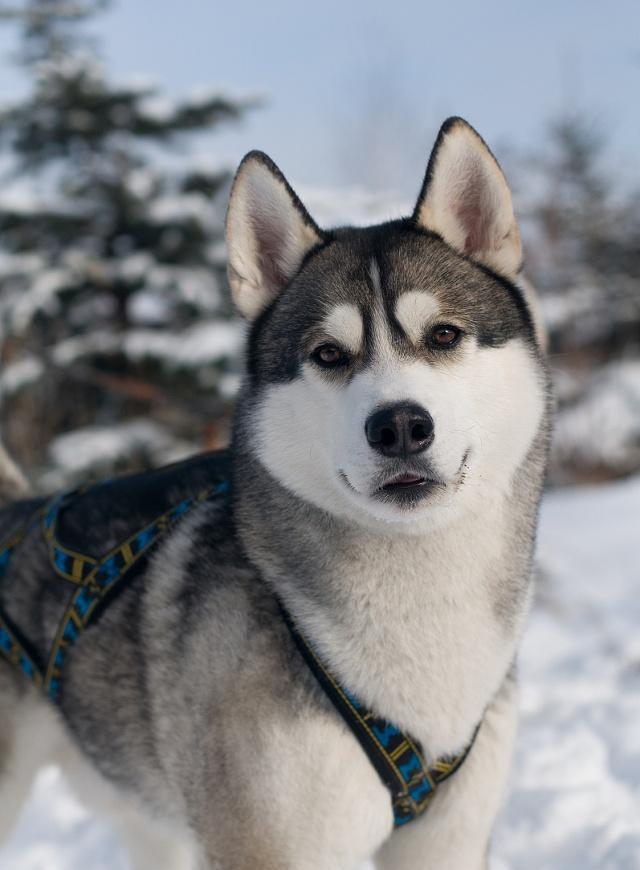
(445, 335)
(329, 356)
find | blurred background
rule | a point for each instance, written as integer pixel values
(120, 126)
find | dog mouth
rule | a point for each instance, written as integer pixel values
(403, 483)
(408, 487)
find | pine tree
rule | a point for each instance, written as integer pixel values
(116, 328)
(583, 252)
(586, 245)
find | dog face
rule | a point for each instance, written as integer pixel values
(392, 369)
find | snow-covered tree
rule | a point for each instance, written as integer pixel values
(585, 249)
(118, 343)
(582, 241)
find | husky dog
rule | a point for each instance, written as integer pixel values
(387, 460)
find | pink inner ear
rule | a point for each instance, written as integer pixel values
(269, 240)
(473, 211)
(471, 219)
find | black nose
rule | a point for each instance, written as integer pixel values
(400, 430)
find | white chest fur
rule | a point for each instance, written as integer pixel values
(413, 628)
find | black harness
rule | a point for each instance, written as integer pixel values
(92, 581)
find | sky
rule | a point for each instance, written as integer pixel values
(353, 91)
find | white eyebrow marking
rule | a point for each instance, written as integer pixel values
(414, 310)
(344, 323)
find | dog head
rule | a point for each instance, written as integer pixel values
(391, 369)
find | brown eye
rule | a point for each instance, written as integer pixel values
(329, 356)
(445, 336)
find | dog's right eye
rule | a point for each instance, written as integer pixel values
(329, 356)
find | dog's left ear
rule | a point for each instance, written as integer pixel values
(466, 200)
(269, 232)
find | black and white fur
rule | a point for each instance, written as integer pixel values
(409, 572)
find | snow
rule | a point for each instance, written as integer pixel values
(203, 344)
(26, 198)
(149, 309)
(602, 428)
(572, 303)
(157, 108)
(181, 208)
(56, 833)
(141, 182)
(166, 287)
(71, 66)
(19, 375)
(574, 802)
(43, 294)
(591, 312)
(95, 450)
(196, 346)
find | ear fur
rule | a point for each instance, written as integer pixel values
(269, 232)
(466, 200)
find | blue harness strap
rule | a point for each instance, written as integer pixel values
(97, 579)
(14, 651)
(398, 758)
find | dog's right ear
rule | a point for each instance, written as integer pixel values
(269, 232)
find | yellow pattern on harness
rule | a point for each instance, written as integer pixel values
(95, 580)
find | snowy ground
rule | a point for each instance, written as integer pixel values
(575, 800)
(575, 797)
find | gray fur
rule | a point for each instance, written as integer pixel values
(491, 307)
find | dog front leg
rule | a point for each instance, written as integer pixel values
(454, 832)
(16, 776)
(25, 746)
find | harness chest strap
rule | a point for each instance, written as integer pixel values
(397, 758)
(395, 755)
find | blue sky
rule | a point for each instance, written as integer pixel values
(355, 90)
